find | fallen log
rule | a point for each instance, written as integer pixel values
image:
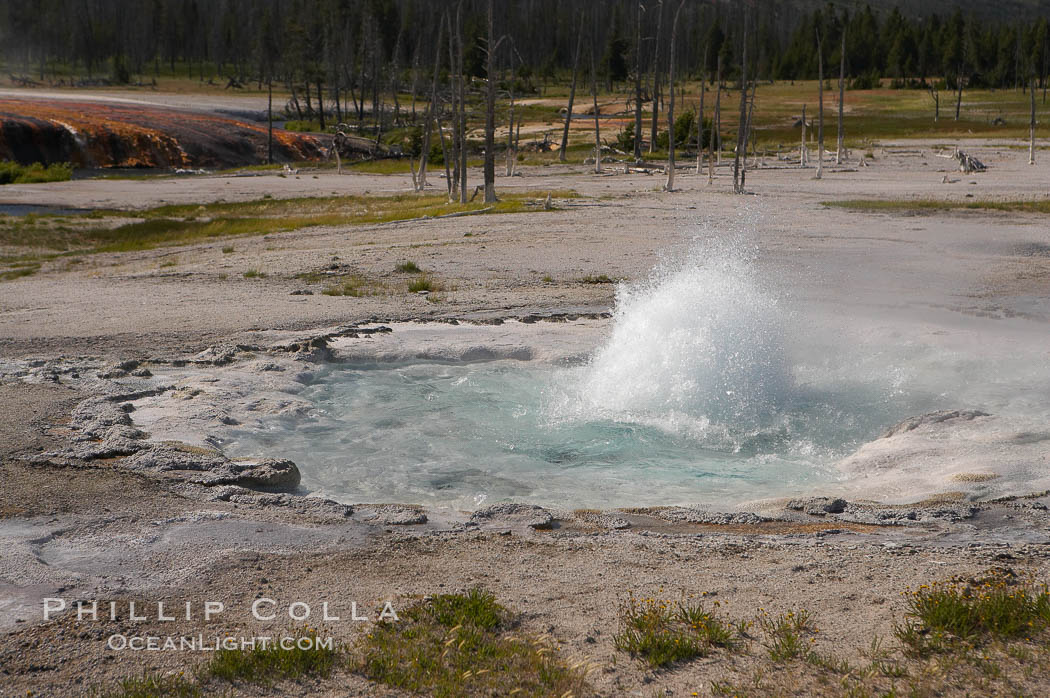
(968, 163)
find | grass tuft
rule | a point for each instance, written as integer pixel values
(154, 686)
(409, 267)
(662, 633)
(785, 634)
(936, 205)
(353, 285)
(19, 271)
(995, 606)
(37, 173)
(599, 279)
(109, 231)
(309, 655)
(464, 645)
(254, 274)
(423, 282)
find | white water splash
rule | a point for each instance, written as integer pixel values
(695, 347)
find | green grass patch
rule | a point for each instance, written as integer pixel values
(254, 274)
(996, 606)
(464, 645)
(304, 125)
(250, 168)
(153, 686)
(597, 279)
(424, 282)
(662, 633)
(44, 231)
(409, 267)
(309, 655)
(353, 285)
(19, 271)
(384, 166)
(786, 634)
(186, 224)
(14, 173)
(934, 205)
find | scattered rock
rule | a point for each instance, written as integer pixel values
(94, 415)
(903, 516)
(222, 493)
(275, 475)
(514, 513)
(691, 515)
(818, 506)
(913, 423)
(169, 457)
(397, 515)
(217, 355)
(602, 519)
(313, 507)
(211, 468)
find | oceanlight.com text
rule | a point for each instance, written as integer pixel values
(201, 643)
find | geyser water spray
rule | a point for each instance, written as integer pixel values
(698, 345)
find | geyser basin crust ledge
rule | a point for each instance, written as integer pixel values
(172, 420)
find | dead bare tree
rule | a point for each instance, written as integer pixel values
(428, 122)
(718, 113)
(669, 185)
(458, 185)
(750, 120)
(395, 87)
(377, 95)
(444, 156)
(415, 73)
(820, 106)
(490, 111)
(594, 96)
(1031, 125)
(461, 78)
(362, 62)
(572, 91)
(511, 150)
(936, 96)
(453, 183)
(269, 121)
(711, 145)
(638, 83)
(958, 93)
(803, 151)
(839, 153)
(700, 127)
(656, 75)
(741, 130)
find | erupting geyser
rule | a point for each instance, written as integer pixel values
(699, 340)
(705, 388)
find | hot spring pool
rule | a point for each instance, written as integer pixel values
(465, 435)
(698, 393)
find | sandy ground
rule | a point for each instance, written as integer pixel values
(99, 532)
